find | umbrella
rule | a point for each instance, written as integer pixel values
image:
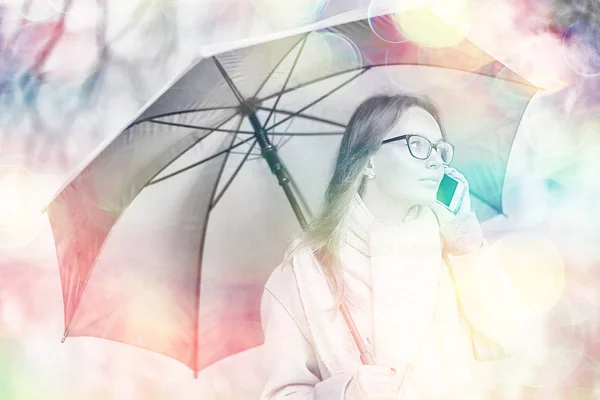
(166, 236)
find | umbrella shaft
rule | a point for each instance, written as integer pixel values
(271, 155)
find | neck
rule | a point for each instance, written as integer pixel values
(384, 207)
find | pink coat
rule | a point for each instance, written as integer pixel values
(487, 296)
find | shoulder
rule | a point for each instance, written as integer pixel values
(281, 297)
(282, 281)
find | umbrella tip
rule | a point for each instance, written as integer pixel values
(64, 336)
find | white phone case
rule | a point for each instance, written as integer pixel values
(456, 197)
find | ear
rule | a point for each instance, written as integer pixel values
(370, 169)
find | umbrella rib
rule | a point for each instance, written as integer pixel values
(95, 261)
(200, 162)
(320, 98)
(249, 132)
(284, 140)
(240, 142)
(241, 153)
(317, 80)
(245, 132)
(306, 133)
(278, 64)
(279, 145)
(169, 114)
(230, 181)
(305, 116)
(274, 119)
(346, 71)
(230, 83)
(201, 256)
(269, 97)
(200, 127)
(287, 79)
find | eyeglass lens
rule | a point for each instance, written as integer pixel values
(420, 148)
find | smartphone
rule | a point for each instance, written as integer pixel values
(450, 193)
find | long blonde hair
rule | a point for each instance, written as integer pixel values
(368, 126)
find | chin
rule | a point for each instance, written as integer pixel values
(425, 199)
(419, 197)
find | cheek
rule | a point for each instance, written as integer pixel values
(408, 167)
(398, 162)
(401, 179)
(401, 175)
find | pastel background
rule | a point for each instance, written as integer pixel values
(73, 73)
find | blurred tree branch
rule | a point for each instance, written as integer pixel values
(42, 101)
(27, 76)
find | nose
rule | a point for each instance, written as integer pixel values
(434, 160)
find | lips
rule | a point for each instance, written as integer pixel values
(431, 181)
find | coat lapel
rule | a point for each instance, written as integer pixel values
(333, 341)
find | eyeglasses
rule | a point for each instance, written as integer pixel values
(420, 147)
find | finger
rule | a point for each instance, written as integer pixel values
(454, 173)
(459, 177)
(450, 170)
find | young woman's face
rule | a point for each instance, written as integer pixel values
(402, 176)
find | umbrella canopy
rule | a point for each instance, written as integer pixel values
(139, 261)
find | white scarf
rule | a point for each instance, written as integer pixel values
(400, 286)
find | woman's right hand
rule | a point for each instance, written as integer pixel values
(374, 382)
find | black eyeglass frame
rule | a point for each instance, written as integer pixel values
(431, 146)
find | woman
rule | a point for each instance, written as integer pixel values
(377, 247)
